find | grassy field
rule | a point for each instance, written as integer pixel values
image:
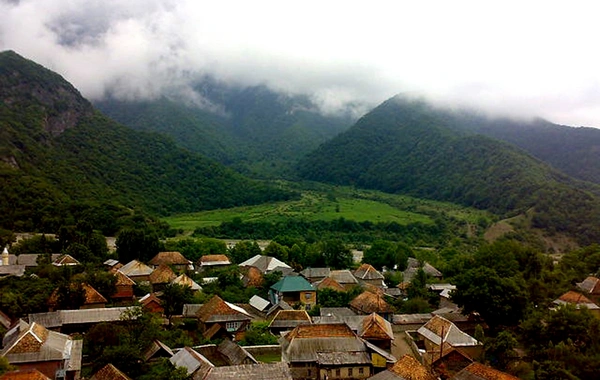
(330, 203)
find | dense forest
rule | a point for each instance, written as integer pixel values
(57, 151)
(423, 153)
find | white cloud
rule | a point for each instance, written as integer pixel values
(536, 58)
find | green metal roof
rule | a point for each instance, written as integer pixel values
(292, 284)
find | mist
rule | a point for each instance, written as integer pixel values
(532, 59)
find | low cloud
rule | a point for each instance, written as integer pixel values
(532, 59)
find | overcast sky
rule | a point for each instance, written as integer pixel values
(539, 58)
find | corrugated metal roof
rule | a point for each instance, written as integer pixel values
(234, 353)
(368, 272)
(292, 284)
(265, 263)
(262, 371)
(259, 303)
(343, 276)
(343, 358)
(135, 268)
(192, 361)
(185, 280)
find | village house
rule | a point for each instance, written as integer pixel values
(32, 346)
(77, 321)
(590, 287)
(196, 365)
(92, 299)
(261, 371)
(259, 304)
(221, 318)
(345, 278)
(294, 290)
(329, 283)
(124, 285)
(367, 274)
(439, 335)
(452, 361)
(579, 301)
(65, 261)
(368, 302)
(172, 259)
(407, 368)
(185, 280)
(109, 372)
(267, 264)
(330, 351)
(151, 303)
(137, 271)
(413, 266)
(160, 277)
(252, 276)
(313, 275)
(213, 262)
(157, 350)
(227, 353)
(372, 328)
(478, 371)
(28, 374)
(286, 320)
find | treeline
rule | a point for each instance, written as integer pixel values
(350, 231)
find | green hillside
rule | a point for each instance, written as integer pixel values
(410, 147)
(57, 151)
(252, 129)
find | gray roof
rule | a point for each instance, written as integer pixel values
(234, 353)
(84, 316)
(136, 268)
(259, 303)
(12, 270)
(191, 360)
(343, 358)
(410, 319)
(262, 371)
(413, 267)
(386, 375)
(155, 347)
(336, 311)
(306, 349)
(190, 309)
(29, 259)
(265, 263)
(316, 272)
(343, 276)
(452, 335)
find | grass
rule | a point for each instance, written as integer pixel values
(268, 358)
(322, 202)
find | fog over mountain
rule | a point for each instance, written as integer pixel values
(532, 59)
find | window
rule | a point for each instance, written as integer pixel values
(308, 295)
(308, 373)
(361, 371)
(338, 372)
(349, 371)
(233, 326)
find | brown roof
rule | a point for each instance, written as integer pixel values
(65, 260)
(477, 371)
(169, 258)
(109, 372)
(375, 327)
(91, 295)
(330, 283)
(150, 298)
(162, 275)
(368, 303)
(410, 369)
(252, 277)
(214, 258)
(574, 297)
(28, 374)
(367, 272)
(122, 279)
(326, 330)
(217, 307)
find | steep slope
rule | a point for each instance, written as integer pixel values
(253, 129)
(575, 151)
(408, 146)
(55, 149)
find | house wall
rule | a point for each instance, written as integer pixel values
(308, 298)
(48, 368)
(349, 372)
(304, 371)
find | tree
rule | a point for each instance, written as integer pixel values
(244, 250)
(277, 251)
(174, 297)
(500, 301)
(258, 334)
(137, 244)
(336, 254)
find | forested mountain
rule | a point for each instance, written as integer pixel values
(408, 146)
(253, 129)
(575, 151)
(57, 151)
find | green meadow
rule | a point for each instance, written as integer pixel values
(330, 203)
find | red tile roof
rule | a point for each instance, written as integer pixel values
(326, 330)
(330, 283)
(410, 369)
(28, 374)
(368, 303)
(162, 275)
(477, 371)
(109, 372)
